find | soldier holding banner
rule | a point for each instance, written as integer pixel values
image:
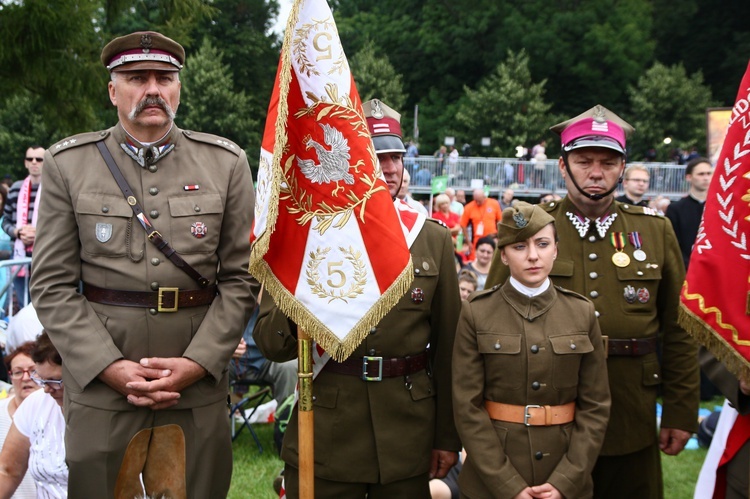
(384, 416)
(626, 260)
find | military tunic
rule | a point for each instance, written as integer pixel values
(383, 431)
(544, 350)
(639, 300)
(87, 231)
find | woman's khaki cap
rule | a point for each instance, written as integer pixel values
(143, 50)
(520, 222)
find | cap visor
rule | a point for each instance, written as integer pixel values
(388, 143)
(146, 65)
(595, 141)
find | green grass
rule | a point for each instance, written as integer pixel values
(254, 472)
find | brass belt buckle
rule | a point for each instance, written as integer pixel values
(527, 414)
(365, 361)
(160, 303)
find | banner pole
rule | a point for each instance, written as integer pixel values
(305, 416)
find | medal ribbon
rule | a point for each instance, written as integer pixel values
(635, 239)
(618, 241)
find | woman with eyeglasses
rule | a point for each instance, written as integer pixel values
(35, 441)
(20, 366)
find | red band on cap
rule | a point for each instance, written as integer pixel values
(384, 126)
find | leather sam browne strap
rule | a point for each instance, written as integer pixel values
(164, 300)
(153, 235)
(531, 415)
(372, 368)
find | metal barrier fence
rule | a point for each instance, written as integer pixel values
(9, 270)
(527, 178)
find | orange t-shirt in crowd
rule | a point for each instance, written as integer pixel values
(483, 218)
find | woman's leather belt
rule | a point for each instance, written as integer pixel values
(164, 300)
(631, 347)
(372, 368)
(531, 415)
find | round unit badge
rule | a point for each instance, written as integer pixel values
(198, 229)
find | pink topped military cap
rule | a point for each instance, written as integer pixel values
(597, 127)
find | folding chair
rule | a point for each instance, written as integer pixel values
(247, 406)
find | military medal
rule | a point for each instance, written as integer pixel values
(198, 229)
(417, 295)
(635, 240)
(619, 258)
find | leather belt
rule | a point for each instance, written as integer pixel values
(164, 300)
(631, 347)
(372, 368)
(531, 415)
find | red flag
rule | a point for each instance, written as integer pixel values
(327, 243)
(715, 300)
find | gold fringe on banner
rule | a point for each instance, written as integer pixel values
(301, 315)
(718, 346)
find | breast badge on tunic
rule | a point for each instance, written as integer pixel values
(417, 295)
(643, 295)
(103, 232)
(629, 294)
(198, 229)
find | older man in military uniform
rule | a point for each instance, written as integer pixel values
(627, 261)
(165, 292)
(383, 437)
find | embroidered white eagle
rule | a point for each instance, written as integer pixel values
(334, 163)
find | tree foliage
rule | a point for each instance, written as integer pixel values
(376, 77)
(211, 104)
(507, 106)
(666, 102)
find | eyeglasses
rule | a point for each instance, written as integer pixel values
(19, 374)
(639, 180)
(38, 160)
(54, 384)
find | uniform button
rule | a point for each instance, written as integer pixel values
(416, 271)
(315, 398)
(498, 346)
(153, 191)
(371, 352)
(105, 209)
(155, 261)
(593, 275)
(155, 286)
(538, 456)
(197, 209)
(152, 168)
(640, 272)
(656, 376)
(593, 256)
(594, 294)
(534, 348)
(102, 134)
(154, 214)
(373, 330)
(596, 312)
(552, 204)
(153, 311)
(592, 239)
(535, 385)
(572, 346)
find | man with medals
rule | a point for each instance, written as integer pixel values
(625, 259)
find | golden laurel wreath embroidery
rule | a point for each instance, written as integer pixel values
(299, 48)
(327, 216)
(359, 277)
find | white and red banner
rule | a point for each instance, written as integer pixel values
(715, 299)
(327, 242)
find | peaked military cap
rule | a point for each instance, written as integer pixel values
(597, 127)
(385, 126)
(520, 222)
(143, 50)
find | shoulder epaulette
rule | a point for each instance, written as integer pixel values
(440, 222)
(208, 138)
(77, 141)
(639, 210)
(485, 292)
(568, 292)
(548, 207)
